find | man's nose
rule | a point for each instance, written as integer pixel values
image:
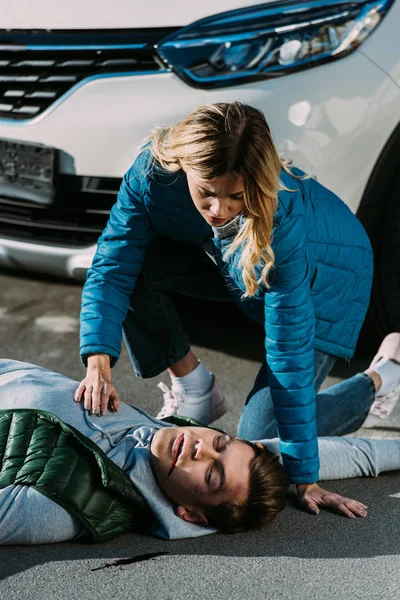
(205, 451)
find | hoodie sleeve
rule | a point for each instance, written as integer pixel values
(116, 265)
(289, 341)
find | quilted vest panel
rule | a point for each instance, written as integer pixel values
(40, 450)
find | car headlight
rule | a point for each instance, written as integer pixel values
(269, 40)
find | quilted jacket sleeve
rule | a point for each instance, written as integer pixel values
(289, 325)
(116, 265)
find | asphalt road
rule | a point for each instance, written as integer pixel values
(299, 556)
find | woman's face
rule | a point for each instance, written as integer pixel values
(217, 200)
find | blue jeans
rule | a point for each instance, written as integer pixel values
(156, 340)
(153, 333)
(340, 409)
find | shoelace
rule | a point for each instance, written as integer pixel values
(172, 400)
(380, 407)
(383, 405)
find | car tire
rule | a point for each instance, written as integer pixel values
(380, 214)
(389, 261)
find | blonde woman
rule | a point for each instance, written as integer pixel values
(210, 209)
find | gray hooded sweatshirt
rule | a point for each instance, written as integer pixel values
(28, 517)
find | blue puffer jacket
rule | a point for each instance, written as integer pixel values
(319, 293)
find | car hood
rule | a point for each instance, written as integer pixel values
(126, 14)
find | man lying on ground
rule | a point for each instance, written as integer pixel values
(69, 475)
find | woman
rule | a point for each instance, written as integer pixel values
(286, 249)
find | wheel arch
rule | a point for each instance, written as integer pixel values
(372, 211)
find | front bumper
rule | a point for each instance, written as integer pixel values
(333, 121)
(48, 260)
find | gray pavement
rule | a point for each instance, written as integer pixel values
(299, 556)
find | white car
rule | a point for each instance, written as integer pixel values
(82, 83)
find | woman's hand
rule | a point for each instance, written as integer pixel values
(97, 389)
(311, 498)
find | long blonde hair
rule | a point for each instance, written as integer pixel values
(216, 139)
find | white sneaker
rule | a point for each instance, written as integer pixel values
(381, 409)
(383, 405)
(206, 409)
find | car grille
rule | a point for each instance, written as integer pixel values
(37, 68)
(76, 219)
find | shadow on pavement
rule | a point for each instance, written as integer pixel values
(220, 326)
(224, 327)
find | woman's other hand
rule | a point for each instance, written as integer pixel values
(97, 390)
(311, 498)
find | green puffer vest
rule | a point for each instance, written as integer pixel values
(40, 450)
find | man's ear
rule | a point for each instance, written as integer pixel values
(192, 515)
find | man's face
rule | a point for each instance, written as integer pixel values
(211, 468)
(218, 200)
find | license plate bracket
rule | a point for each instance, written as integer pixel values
(27, 171)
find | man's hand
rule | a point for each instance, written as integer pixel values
(97, 389)
(311, 498)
